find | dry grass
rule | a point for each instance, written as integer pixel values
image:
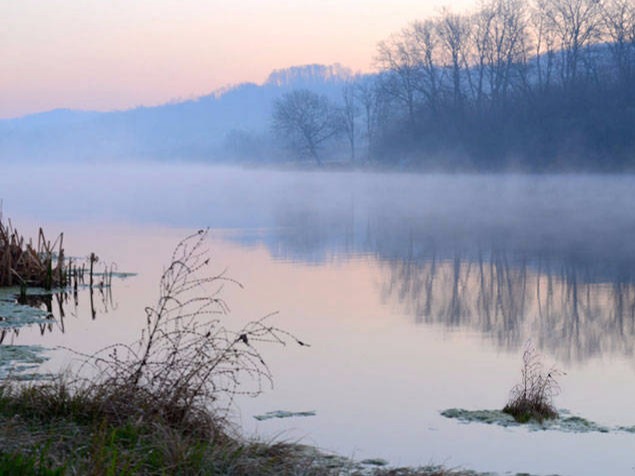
(532, 398)
(55, 430)
(24, 264)
(46, 430)
(187, 362)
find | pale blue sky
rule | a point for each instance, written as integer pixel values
(112, 54)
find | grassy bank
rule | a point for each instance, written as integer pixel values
(48, 429)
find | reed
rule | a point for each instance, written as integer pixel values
(25, 264)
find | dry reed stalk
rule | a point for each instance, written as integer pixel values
(25, 265)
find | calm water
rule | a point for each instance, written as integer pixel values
(416, 293)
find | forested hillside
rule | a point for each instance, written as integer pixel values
(535, 86)
(542, 85)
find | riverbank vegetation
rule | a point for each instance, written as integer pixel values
(532, 398)
(159, 405)
(58, 428)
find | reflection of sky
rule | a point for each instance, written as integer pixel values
(346, 259)
(507, 256)
(93, 54)
(376, 381)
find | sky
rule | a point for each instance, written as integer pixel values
(119, 54)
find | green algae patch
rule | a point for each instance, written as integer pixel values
(576, 424)
(568, 424)
(283, 414)
(116, 274)
(19, 361)
(374, 462)
(490, 417)
(13, 293)
(626, 429)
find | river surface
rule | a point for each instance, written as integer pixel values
(417, 293)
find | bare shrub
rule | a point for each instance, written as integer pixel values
(532, 398)
(186, 359)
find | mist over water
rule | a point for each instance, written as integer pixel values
(557, 212)
(510, 248)
(384, 274)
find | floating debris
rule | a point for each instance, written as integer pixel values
(490, 417)
(283, 414)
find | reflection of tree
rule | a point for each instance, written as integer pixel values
(559, 305)
(512, 258)
(500, 297)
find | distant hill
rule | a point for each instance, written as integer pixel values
(309, 76)
(216, 127)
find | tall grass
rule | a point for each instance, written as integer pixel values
(532, 398)
(24, 264)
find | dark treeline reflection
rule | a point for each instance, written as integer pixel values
(551, 264)
(569, 307)
(574, 304)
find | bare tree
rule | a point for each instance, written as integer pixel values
(618, 18)
(350, 112)
(576, 24)
(497, 49)
(369, 97)
(508, 45)
(398, 59)
(306, 121)
(453, 32)
(426, 41)
(481, 40)
(544, 40)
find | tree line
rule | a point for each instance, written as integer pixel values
(539, 85)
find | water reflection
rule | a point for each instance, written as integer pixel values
(510, 256)
(562, 305)
(567, 283)
(59, 306)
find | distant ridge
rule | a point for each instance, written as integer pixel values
(197, 128)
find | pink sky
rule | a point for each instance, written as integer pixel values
(117, 54)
